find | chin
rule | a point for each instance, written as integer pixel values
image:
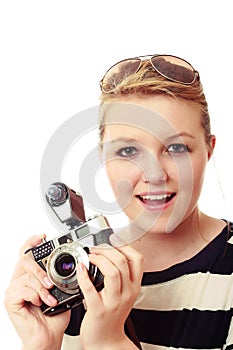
(164, 222)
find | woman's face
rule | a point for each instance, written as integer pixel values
(155, 153)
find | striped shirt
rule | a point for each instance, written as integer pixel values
(187, 306)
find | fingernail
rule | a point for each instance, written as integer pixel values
(80, 267)
(51, 300)
(42, 236)
(47, 282)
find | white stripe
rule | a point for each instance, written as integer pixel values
(229, 340)
(157, 347)
(71, 343)
(203, 291)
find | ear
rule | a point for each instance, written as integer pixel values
(211, 146)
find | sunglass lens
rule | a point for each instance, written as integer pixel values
(174, 68)
(117, 73)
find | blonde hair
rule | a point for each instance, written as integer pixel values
(147, 82)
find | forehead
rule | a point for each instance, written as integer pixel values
(159, 116)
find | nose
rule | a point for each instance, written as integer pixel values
(153, 172)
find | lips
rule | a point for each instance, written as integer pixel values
(155, 200)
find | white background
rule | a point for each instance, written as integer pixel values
(53, 54)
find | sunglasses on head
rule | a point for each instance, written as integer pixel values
(170, 67)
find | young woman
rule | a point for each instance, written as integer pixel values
(170, 270)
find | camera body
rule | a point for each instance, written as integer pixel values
(59, 256)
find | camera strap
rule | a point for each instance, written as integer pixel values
(130, 330)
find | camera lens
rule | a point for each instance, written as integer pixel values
(61, 266)
(65, 265)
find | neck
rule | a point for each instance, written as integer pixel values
(162, 250)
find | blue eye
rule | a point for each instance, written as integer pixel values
(178, 148)
(127, 152)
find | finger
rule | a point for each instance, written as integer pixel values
(126, 258)
(29, 280)
(28, 265)
(135, 263)
(91, 296)
(15, 302)
(32, 241)
(29, 288)
(110, 271)
(118, 286)
(112, 263)
(135, 259)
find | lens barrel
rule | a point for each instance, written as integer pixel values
(61, 266)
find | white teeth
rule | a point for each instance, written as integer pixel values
(155, 197)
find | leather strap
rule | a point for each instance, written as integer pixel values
(130, 331)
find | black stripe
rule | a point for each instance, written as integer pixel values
(186, 329)
(216, 257)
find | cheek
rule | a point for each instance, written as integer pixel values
(190, 178)
(123, 176)
(199, 174)
(189, 171)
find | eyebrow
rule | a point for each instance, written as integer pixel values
(128, 139)
(125, 139)
(181, 134)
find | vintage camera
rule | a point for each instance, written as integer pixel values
(59, 256)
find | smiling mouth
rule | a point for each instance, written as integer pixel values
(156, 199)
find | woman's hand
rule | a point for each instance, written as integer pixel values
(29, 287)
(103, 324)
